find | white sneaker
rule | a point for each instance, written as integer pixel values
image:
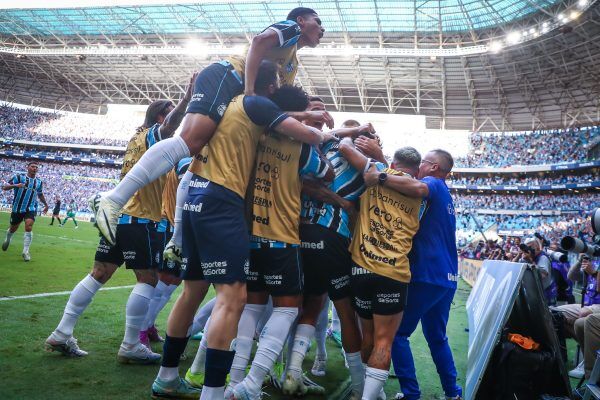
(138, 354)
(577, 372)
(26, 257)
(5, 244)
(399, 396)
(69, 347)
(106, 213)
(319, 367)
(172, 252)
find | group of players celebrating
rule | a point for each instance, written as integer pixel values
(255, 199)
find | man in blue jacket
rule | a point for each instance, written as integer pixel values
(434, 269)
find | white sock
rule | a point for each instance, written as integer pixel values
(202, 316)
(321, 332)
(244, 341)
(9, 235)
(168, 373)
(270, 345)
(153, 306)
(265, 316)
(27, 237)
(166, 296)
(212, 393)
(335, 320)
(80, 298)
(157, 161)
(182, 191)
(304, 334)
(374, 382)
(357, 371)
(135, 312)
(200, 359)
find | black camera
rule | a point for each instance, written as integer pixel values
(575, 245)
(557, 256)
(526, 249)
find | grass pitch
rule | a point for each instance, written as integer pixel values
(60, 257)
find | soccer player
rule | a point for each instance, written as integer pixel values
(137, 244)
(386, 224)
(216, 242)
(327, 266)
(56, 210)
(168, 270)
(275, 268)
(434, 269)
(71, 210)
(26, 191)
(216, 86)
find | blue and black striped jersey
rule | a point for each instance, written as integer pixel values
(25, 198)
(288, 32)
(310, 164)
(348, 183)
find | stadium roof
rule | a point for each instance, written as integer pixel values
(465, 64)
(235, 16)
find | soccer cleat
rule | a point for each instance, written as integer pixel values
(399, 396)
(26, 256)
(144, 339)
(335, 335)
(274, 376)
(319, 367)
(577, 372)
(197, 336)
(106, 213)
(172, 252)
(138, 354)
(312, 387)
(239, 392)
(175, 389)
(195, 380)
(5, 244)
(153, 335)
(293, 385)
(68, 348)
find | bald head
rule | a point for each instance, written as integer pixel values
(437, 163)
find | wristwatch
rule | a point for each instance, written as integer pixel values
(382, 178)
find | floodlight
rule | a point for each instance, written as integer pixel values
(496, 46)
(513, 37)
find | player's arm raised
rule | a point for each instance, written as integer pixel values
(302, 133)
(174, 118)
(398, 183)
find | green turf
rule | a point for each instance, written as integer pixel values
(60, 258)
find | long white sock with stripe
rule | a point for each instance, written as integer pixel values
(80, 298)
(135, 312)
(27, 238)
(244, 341)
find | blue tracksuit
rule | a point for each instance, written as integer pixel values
(434, 269)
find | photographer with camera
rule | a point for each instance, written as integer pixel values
(532, 253)
(560, 273)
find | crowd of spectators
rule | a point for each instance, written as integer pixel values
(47, 151)
(581, 201)
(39, 126)
(67, 181)
(552, 228)
(528, 148)
(524, 180)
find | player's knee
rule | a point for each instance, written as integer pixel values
(102, 272)
(146, 276)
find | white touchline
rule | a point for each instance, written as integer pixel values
(31, 296)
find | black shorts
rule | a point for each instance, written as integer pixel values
(327, 262)
(56, 211)
(17, 218)
(168, 266)
(215, 87)
(275, 270)
(216, 244)
(376, 294)
(138, 245)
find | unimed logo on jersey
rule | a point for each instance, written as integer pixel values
(192, 207)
